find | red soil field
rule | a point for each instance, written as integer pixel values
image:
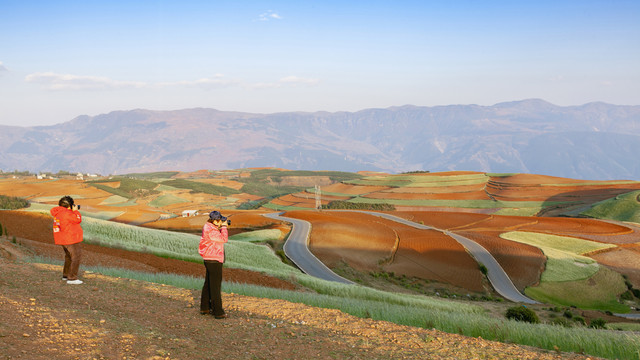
(590, 229)
(477, 195)
(358, 240)
(449, 173)
(369, 243)
(438, 189)
(222, 182)
(523, 263)
(341, 188)
(542, 188)
(625, 260)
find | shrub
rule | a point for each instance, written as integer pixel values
(598, 323)
(579, 319)
(483, 269)
(522, 313)
(358, 206)
(12, 202)
(627, 295)
(562, 322)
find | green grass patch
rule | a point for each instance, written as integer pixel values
(624, 326)
(532, 211)
(166, 200)
(129, 188)
(567, 244)
(564, 259)
(625, 207)
(405, 180)
(257, 235)
(114, 199)
(200, 187)
(153, 175)
(276, 175)
(596, 293)
(284, 208)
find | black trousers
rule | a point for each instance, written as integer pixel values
(211, 299)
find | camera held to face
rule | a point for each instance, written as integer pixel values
(224, 218)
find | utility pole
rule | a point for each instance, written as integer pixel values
(318, 198)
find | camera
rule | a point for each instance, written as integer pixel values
(224, 218)
(78, 207)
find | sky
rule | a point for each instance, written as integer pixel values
(63, 59)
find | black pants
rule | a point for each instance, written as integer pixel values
(211, 300)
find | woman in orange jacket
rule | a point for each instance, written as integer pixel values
(68, 233)
(214, 236)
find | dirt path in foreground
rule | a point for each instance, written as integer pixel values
(113, 318)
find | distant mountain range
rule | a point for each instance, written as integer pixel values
(595, 141)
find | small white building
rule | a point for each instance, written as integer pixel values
(188, 213)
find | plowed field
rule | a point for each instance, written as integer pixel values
(369, 243)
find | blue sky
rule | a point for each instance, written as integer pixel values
(62, 59)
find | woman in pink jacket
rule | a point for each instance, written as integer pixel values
(214, 236)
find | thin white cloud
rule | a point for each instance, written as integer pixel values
(68, 82)
(53, 81)
(2, 67)
(218, 81)
(269, 15)
(295, 80)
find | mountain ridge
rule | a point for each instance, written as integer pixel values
(592, 141)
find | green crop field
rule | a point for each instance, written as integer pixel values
(570, 278)
(257, 235)
(166, 200)
(625, 207)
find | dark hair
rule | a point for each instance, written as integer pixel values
(66, 201)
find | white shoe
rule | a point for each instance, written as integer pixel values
(74, 282)
(64, 278)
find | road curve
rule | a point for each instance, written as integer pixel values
(296, 248)
(495, 273)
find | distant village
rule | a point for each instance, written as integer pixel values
(49, 175)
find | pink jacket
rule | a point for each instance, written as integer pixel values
(212, 242)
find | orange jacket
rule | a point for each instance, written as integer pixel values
(212, 242)
(66, 226)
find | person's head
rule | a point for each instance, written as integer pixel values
(215, 217)
(66, 201)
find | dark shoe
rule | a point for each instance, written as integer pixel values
(223, 316)
(205, 312)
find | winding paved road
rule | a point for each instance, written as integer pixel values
(296, 248)
(496, 274)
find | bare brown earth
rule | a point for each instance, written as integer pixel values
(369, 243)
(114, 318)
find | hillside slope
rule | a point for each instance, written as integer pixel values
(120, 318)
